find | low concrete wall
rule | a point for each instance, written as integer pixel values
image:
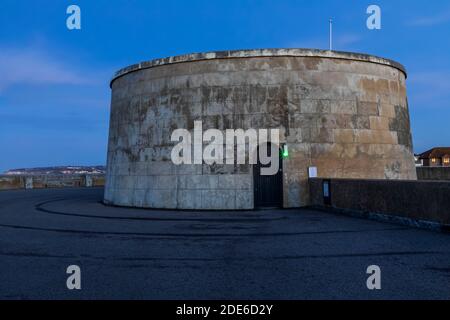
(8, 182)
(410, 201)
(433, 173)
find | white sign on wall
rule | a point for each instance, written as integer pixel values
(312, 172)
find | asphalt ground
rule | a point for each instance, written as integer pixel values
(127, 253)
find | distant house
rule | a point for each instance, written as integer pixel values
(436, 157)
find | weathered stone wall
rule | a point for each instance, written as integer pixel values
(415, 200)
(346, 114)
(8, 182)
(433, 173)
(11, 182)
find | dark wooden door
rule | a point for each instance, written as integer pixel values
(268, 190)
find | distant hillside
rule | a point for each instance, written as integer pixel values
(58, 170)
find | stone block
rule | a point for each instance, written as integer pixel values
(367, 108)
(379, 123)
(166, 182)
(344, 135)
(199, 182)
(227, 181)
(343, 107)
(244, 200)
(189, 199)
(161, 168)
(144, 182)
(387, 110)
(124, 197)
(218, 199)
(242, 182)
(189, 169)
(376, 137)
(159, 198)
(139, 197)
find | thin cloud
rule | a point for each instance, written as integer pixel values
(430, 20)
(347, 40)
(340, 42)
(31, 65)
(435, 79)
(308, 44)
(430, 89)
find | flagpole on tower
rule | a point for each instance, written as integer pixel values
(331, 34)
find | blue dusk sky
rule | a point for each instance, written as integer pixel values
(54, 83)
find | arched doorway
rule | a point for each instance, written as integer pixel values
(268, 189)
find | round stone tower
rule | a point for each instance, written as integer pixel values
(344, 114)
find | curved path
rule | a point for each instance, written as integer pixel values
(156, 254)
